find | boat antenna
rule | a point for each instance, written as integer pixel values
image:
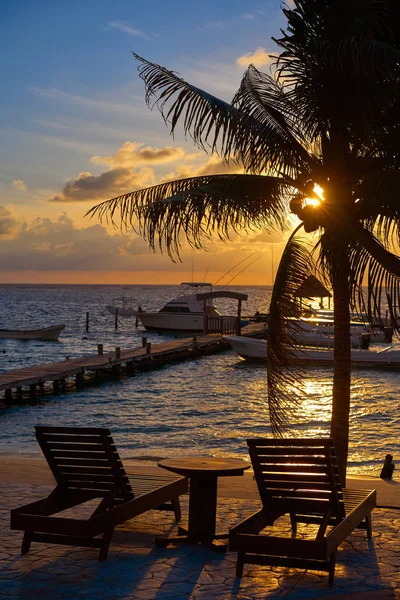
(205, 276)
(272, 265)
(244, 268)
(234, 267)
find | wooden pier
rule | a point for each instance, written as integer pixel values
(112, 364)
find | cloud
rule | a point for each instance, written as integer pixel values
(258, 58)
(123, 176)
(126, 28)
(213, 166)
(47, 244)
(132, 153)
(19, 184)
(58, 248)
(117, 108)
(8, 222)
(108, 184)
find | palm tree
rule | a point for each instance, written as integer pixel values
(329, 117)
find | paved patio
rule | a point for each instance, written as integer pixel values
(137, 569)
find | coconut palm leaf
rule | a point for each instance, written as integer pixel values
(284, 388)
(262, 99)
(198, 206)
(370, 261)
(218, 126)
(341, 54)
(379, 205)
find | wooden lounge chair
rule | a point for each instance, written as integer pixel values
(299, 477)
(86, 466)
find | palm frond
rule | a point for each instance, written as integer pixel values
(218, 126)
(341, 54)
(196, 207)
(378, 204)
(282, 335)
(371, 262)
(262, 99)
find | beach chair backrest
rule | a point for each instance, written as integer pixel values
(84, 458)
(297, 475)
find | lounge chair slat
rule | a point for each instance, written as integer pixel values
(293, 460)
(84, 439)
(282, 442)
(289, 451)
(284, 468)
(93, 447)
(70, 462)
(80, 454)
(49, 429)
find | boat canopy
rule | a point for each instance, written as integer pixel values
(222, 294)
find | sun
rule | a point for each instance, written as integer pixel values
(318, 191)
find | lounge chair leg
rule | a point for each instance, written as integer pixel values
(26, 542)
(369, 526)
(240, 564)
(332, 565)
(293, 522)
(176, 505)
(105, 544)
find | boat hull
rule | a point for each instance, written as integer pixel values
(171, 322)
(47, 333)
(255, 349)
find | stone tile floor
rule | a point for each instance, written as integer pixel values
(137, 569)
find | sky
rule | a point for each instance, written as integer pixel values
(75, 130)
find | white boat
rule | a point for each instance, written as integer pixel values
(359, 323)
(256, 349)
(46, 333)
(183, 313)
(123, 305)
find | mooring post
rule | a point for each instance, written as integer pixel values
(99, 349)
(117, 352)
(116, 318)
(144, 342)
(87, 321)
(388, 468)
(148, 347)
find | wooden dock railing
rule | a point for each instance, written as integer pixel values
(222, 325)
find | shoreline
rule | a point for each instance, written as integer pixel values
(35, 471)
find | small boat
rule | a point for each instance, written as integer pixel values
(123, 305)
(46, 333)
(359, 324)
(183, 313)
(256, 349)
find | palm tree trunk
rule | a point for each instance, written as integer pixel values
(342, 361)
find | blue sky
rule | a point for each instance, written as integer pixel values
(75, 129)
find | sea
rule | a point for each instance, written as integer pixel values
(208, 406)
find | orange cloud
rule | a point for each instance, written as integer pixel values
(122, 176)
(213, 166)
(132, 153)
(7, 221)
(260, 57)
(108, 184)
(19, 184)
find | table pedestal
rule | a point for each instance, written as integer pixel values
(203, 474)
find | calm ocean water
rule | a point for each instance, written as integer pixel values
(207, 406)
